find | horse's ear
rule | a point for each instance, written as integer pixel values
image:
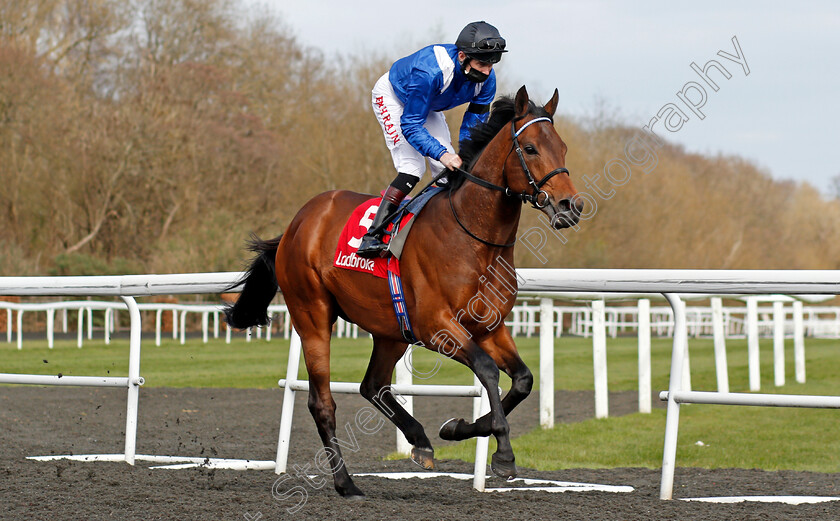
(521, 102)
(551, 106)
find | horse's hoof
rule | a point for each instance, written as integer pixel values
(352, 492)
(449, 429)
(503, 469)
(423, 457)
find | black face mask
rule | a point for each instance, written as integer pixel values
(473, 75)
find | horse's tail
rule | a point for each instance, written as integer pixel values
(260, 286)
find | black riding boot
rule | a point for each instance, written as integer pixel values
(372, 245)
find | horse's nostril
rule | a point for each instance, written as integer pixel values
(564, 205)
(579, 205)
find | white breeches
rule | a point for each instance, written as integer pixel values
(388, 110)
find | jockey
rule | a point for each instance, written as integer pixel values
(409, 101)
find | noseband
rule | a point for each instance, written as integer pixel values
(538, 197)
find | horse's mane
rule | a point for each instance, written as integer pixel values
(480, 135)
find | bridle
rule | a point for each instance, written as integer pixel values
(538, 197)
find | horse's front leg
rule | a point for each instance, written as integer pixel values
(484, 367)
(502, 350)
(376, 388)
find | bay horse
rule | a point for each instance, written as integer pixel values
(460, 246)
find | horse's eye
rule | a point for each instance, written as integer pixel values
(530, 149)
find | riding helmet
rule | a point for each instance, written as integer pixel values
(481, 41)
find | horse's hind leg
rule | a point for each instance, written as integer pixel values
(376, 387)
(502, 349)
(313, 324)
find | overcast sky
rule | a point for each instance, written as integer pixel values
(635, 57)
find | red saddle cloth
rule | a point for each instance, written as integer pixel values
(351, 237)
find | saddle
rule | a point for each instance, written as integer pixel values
(395, 236)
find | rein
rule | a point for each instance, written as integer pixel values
(471, 234)
(537, 192)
